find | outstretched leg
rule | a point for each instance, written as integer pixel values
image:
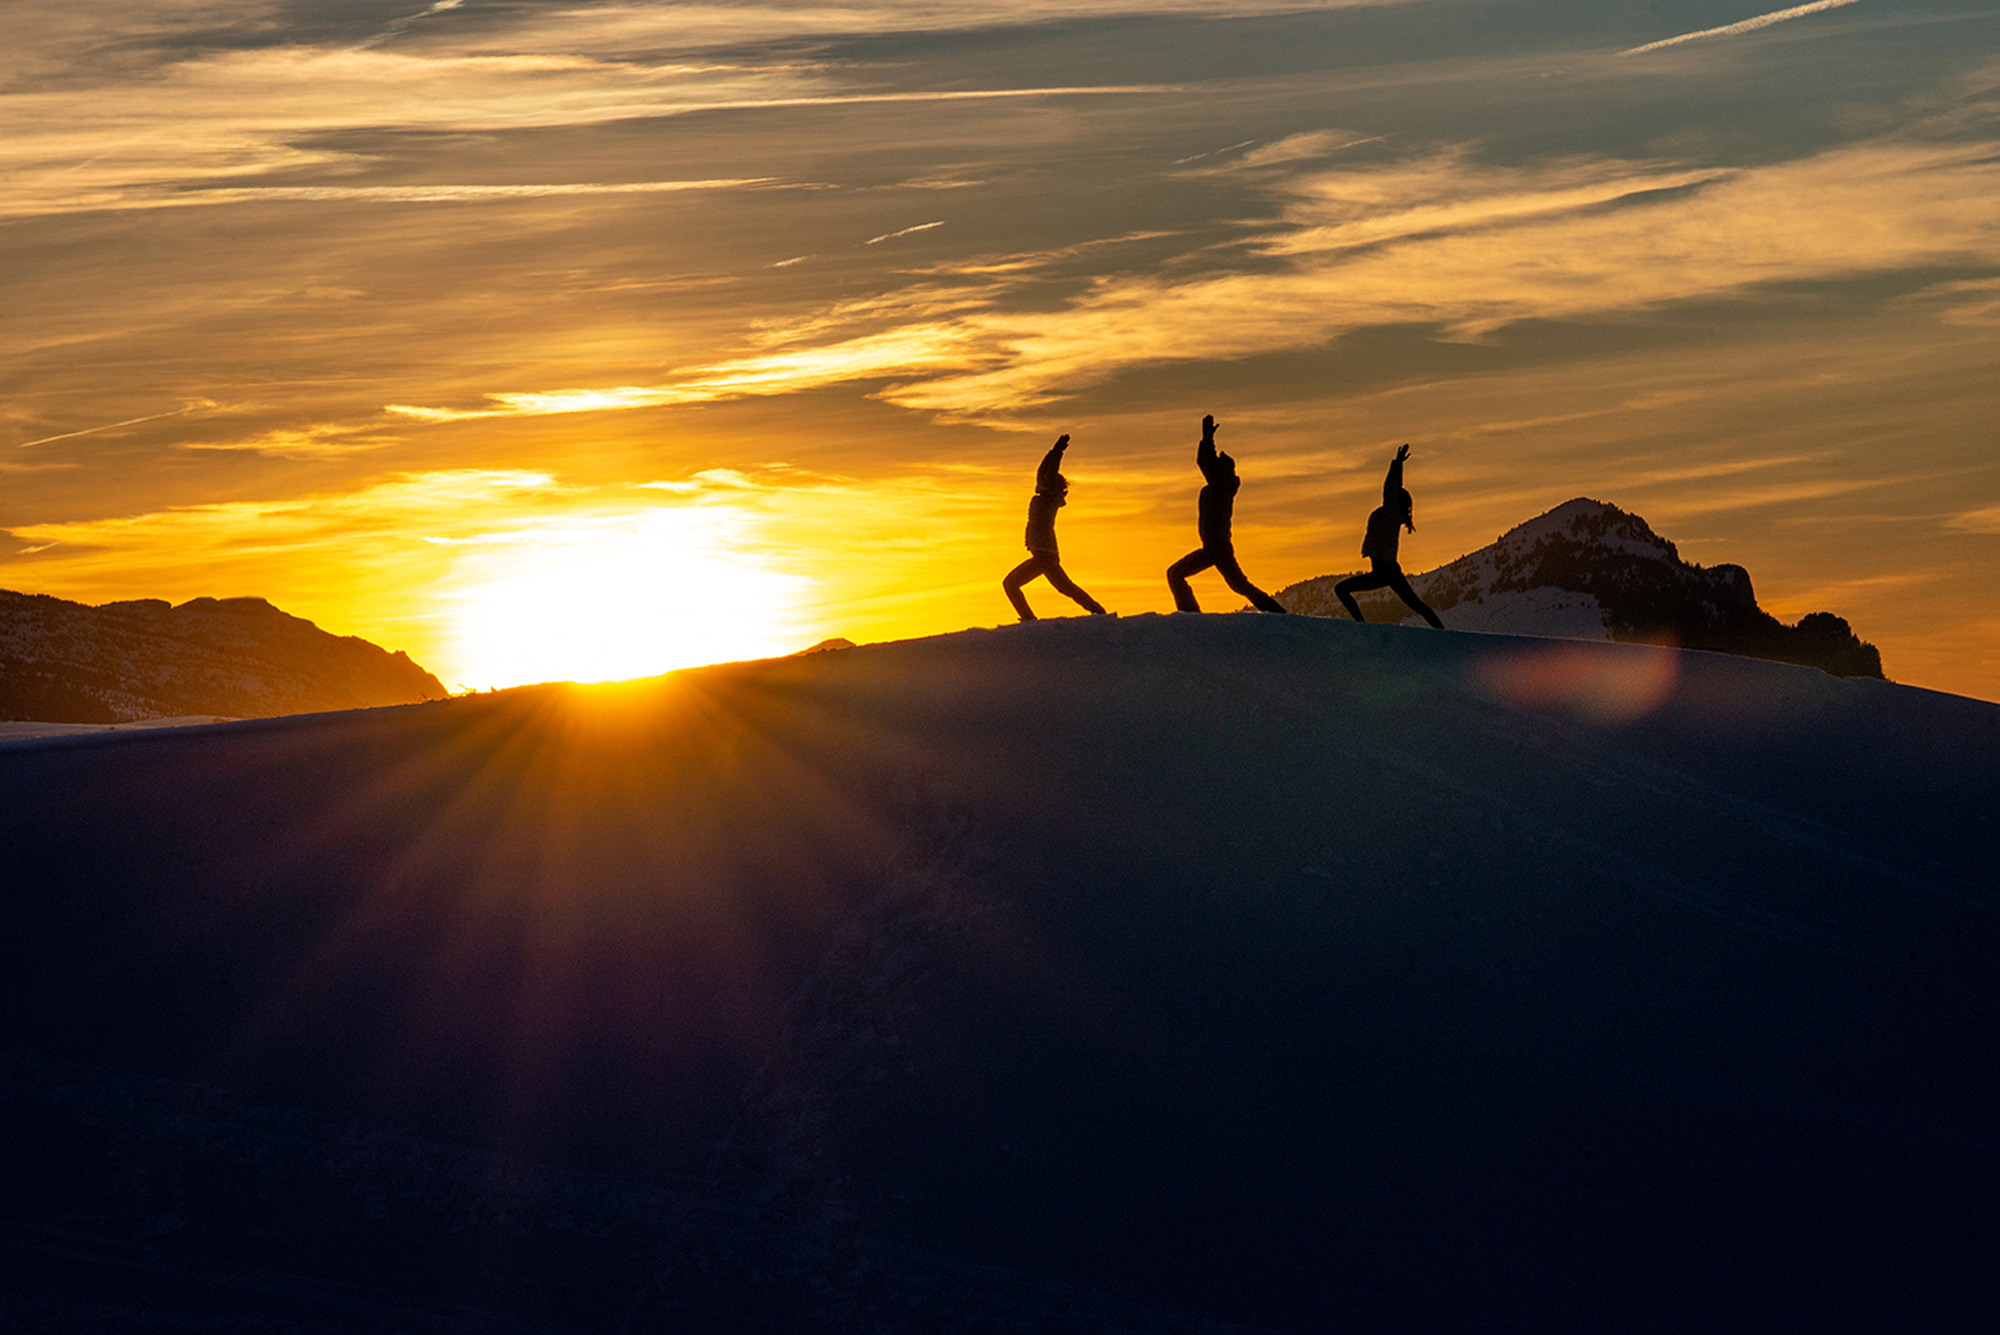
(1409, 595)
(1177, 578)
(1232, 575)
(1347, 588)
(1069, 588)
(1017, 577)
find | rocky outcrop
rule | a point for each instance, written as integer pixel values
(1588, 570)
(64, 662)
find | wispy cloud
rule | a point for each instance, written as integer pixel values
(1437, 241)
(114, 104)
(394, 502)
(326, 440)
(1983, 520)
(352, 559)
(725, 24)
(1968, 302)
(1024, 262)
(946, 182)
(1788, 494)
(1300, 147)
(1747, 25)
(1553, 252)
(899, 351)
(202, 128)
(410, 194)
(1709, 469)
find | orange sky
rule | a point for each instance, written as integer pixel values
(476, 328)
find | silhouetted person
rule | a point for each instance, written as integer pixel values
(1051, 494)
(1218, 502)
(1397, 511)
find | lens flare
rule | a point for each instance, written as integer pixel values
(1601, 683)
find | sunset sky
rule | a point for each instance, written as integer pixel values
(566, 339)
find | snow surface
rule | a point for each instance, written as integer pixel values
(1161, 973)
(1550, 613)
(15, 730)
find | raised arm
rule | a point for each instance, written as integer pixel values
(1204, 454)
(1394, 482)
(1051, 462)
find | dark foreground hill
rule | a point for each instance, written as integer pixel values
(1593, 571)
(1181, 973)
(63, 662)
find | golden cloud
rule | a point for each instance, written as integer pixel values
(1441, 240)
(1985, 520)
(198, 129)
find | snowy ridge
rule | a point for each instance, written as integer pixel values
(1589, 570)
(1099, 975)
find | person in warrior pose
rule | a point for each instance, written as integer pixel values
(1397, 511)
(1051, 494)
(1218, 501)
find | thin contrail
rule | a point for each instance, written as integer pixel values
(113, 426)
(1747, 25)
(1213, 152)
(890, 236)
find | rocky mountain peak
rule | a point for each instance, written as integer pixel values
(1590, 570)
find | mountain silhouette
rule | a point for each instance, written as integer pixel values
(1589, 570)
(64, 662)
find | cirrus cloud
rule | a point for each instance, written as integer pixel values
(1439, 240)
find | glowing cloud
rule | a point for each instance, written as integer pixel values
(431, 194)
(84, 143)
(897, 351)
(1986, 520)
(1439, 240)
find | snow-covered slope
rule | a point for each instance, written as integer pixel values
(1587, 570)
(1193, 973)
(63, 662)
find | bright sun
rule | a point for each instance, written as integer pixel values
(609, 597)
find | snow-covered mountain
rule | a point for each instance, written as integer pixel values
(1588, 570)
(64, 662)
(1207, 975)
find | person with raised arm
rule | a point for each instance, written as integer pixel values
(1051, 494)
(1396, 512)
(1215, 508)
